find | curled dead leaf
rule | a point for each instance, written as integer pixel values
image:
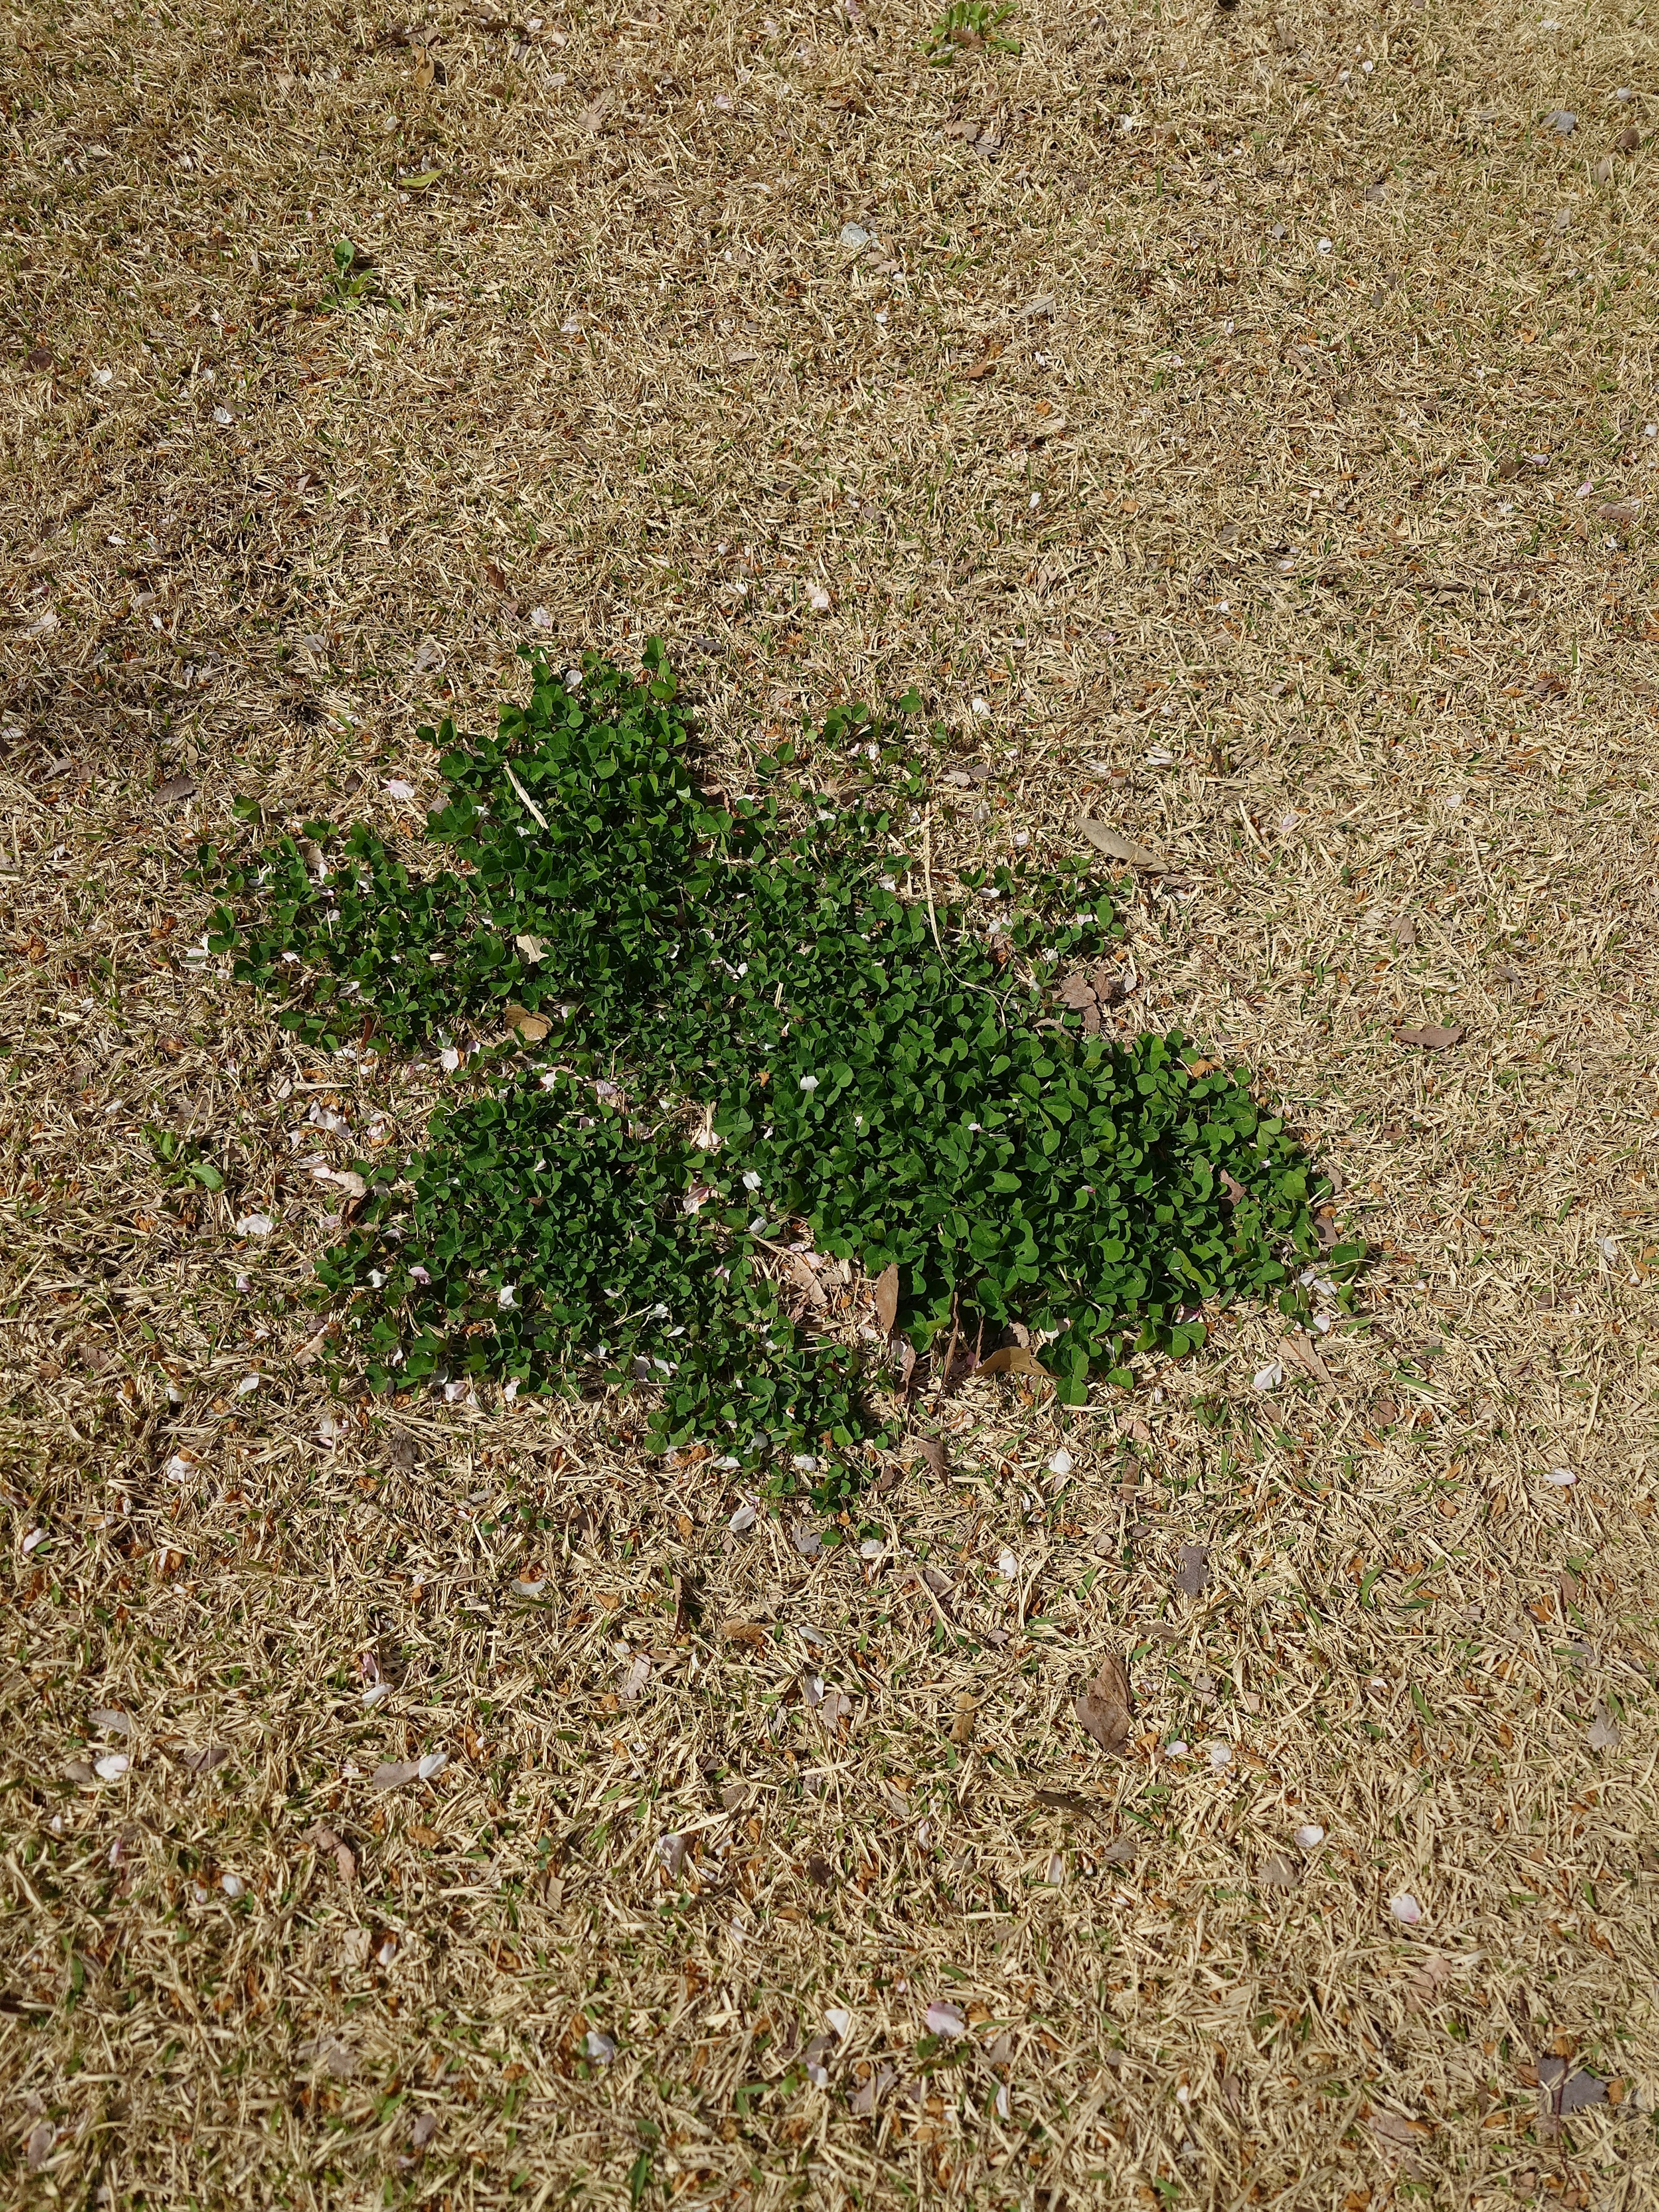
(531, 1028)
(1302, 1351)
(1116, 846)
(1013, 1359)
(748, 1633)
(1103, 1706)
(1092, 991)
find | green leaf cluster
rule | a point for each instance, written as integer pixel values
(969, 27)
(757, 1036)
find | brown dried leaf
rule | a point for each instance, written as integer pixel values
(532, 1028)
(1012, 1359)
(1580, 2090)
(1605, 1733)
(749, 1634)
(176, 787)
(392, 1773)
(1116, 846)
(322, 1838)
(886, 1299)
(1431, 1977)
(1431, 1035)
(209, 1756)
(1104, 1706)
(933, 1452)
(1395, 2128)
(1302, 1352)
(1192, 1574)
(1069, 1800)
(805, 1276)
(1234, 1188)
(1278, 1871)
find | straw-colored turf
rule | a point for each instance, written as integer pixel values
(1172, 412)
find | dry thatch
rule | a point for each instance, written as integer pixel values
(1237, 426)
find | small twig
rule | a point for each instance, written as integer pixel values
(928, 874)
(944, 1382)
(523, 796)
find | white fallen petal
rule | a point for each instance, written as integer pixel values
(232, 1884)
(598, 2046)
(111, 1766)
(433, 1765)
(840, 2019)
(397, 787)
(1061, 1463)
(255, 1225)
(1270, 1376)
(944, 2019)
(1310, 1835)
(1405, 1909)
(1560, 1478)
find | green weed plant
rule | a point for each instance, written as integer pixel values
(718, 1027)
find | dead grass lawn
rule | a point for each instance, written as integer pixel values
(1239, 424)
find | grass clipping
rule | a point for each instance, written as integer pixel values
(719, 1034)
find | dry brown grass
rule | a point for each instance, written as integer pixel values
(635, 380)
